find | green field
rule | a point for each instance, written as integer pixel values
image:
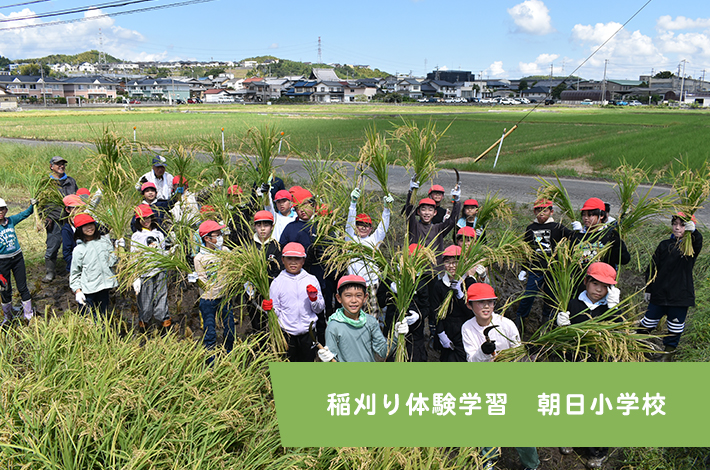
(573, 142)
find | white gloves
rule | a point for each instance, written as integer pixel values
(479, 232)
(218, 182)
(354, 195)
(522, 277)
(393, 287)
(458, 288)
(120, 242)
(413, 184)
(563, 319)
(456, 193)
(480, 270)
(401, 328)
(577, 226)
(388, 199)
(249, 289)
(690, 226)
(325, 355)
(137, 285)
(445, 341)
(647, 296)
(411, 318)
(613, 297)
(33, 202)
(80, 297)
(192, 277)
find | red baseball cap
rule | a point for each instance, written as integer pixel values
(543, 203)
(148, 185)
(209, 226)
(83, 219)
(179, 181)
(466, 232)
(234, 189)
(685, 218)
(300, 195)
(481, 291)
(436, 188)
(412, 248)
(593, 203)
(364, 219)
(470, 202)
(73, 200)
(602, 272)
(264, 216)
(143, 211)
(282, 194)
(452, 250)
(427, 201)
(83, 192)
(294, 250)
(351, 279)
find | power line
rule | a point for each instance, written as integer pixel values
(109, 15)
(70, 11)
(23, 4)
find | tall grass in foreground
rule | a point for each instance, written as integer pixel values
(77, 396)
(558, 194)
(691, 187)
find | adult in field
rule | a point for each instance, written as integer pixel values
(53, 214)
(162, 180)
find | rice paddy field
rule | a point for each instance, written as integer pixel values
(569, 141)
(74, 395)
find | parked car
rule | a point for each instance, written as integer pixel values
(422, 100)
(549, 101)
(635, 103)
(179, 101)
(524, 100)
(134, 102)
(587, 102)
(194, 100)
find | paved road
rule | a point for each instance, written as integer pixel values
(520, 189)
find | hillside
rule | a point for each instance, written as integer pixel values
(287, 67)
(88, 56)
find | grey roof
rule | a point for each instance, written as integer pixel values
(324, 74)
(26, 79)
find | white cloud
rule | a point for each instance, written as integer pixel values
(532, 17)
(68, 38)
(496, 69)
(274, 46)
(667, 23)
(627, 48)
(533, 68)
(687, 44)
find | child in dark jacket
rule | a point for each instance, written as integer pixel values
(12, 261)
(264, 240)
(671, 290)
(598, 297)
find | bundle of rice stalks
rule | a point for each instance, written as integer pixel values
(691, 188)
(247, 264)
(374, 155)
(220, 163)
(557, 194)
(493, 208)
(324, 171)
(182, 162)
(259, 147)
(116, 211)
(421, 148)
(113, 153)
(403, 268)
(44, 189)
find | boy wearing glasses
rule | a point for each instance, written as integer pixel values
(53, 219)
(542, 235)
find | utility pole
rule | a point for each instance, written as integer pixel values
(649, 87)
(549, 88)
(604, 83)
(320, 57)
(41, 71)
(682, 82)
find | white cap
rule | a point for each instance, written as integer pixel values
(2, 203)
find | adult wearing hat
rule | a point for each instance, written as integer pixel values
(52, 214)
(162, 180)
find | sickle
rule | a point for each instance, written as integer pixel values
(488, 330)
(315, 341)
(458, 178)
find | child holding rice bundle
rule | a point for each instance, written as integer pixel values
(671, 291)
(73, 205)
(151, 288)
(12, 261)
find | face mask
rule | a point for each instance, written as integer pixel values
(219, 242)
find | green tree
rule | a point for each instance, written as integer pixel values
(214, 71)
(557, 91)
(664, 74)
(523, 85)
(33, 69)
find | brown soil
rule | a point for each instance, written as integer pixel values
(580, 165)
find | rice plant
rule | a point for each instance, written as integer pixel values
(220, 163)
(182, 163)
(42, 188)
(493, 208)
(421, 148)
(374, 155)
(558, 194)
(115, 169)
(260, 145)
(691, 188)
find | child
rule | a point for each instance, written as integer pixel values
(465, 235)
(598, 234)
(151, 288)
(212, 300)
(672, 291)
(469, 213)
(264, 240)
(160, 206)
(448, 330)
(598, 297)
(298, 301)
(352, 335)
(284, 213)
(436, 193)
(73, 205)
(487, 332)
(185, 207)
(91, 277)
(543, 235)
(359, 230)
(13, 261)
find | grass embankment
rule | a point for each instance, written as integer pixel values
(593, 140)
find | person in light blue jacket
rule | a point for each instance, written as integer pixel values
(91, 277)
(13, 262)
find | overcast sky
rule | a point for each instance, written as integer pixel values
(501, 39)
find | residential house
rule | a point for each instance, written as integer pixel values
(354, 91)
(409, 87)
(536, 93)
(8, 101)
(30, 86)
(447, 89)
(324, 74)
(89, 87)
(302, 90)
(87, 68)
(328, 91)
(157, 89)
(699, 99)
(218, 95)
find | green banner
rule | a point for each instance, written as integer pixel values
(492, 404)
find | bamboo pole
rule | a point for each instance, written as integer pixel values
(496, 143)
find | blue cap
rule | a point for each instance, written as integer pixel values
(158, 160)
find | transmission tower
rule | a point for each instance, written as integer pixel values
(320, 57)
(102, 54)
